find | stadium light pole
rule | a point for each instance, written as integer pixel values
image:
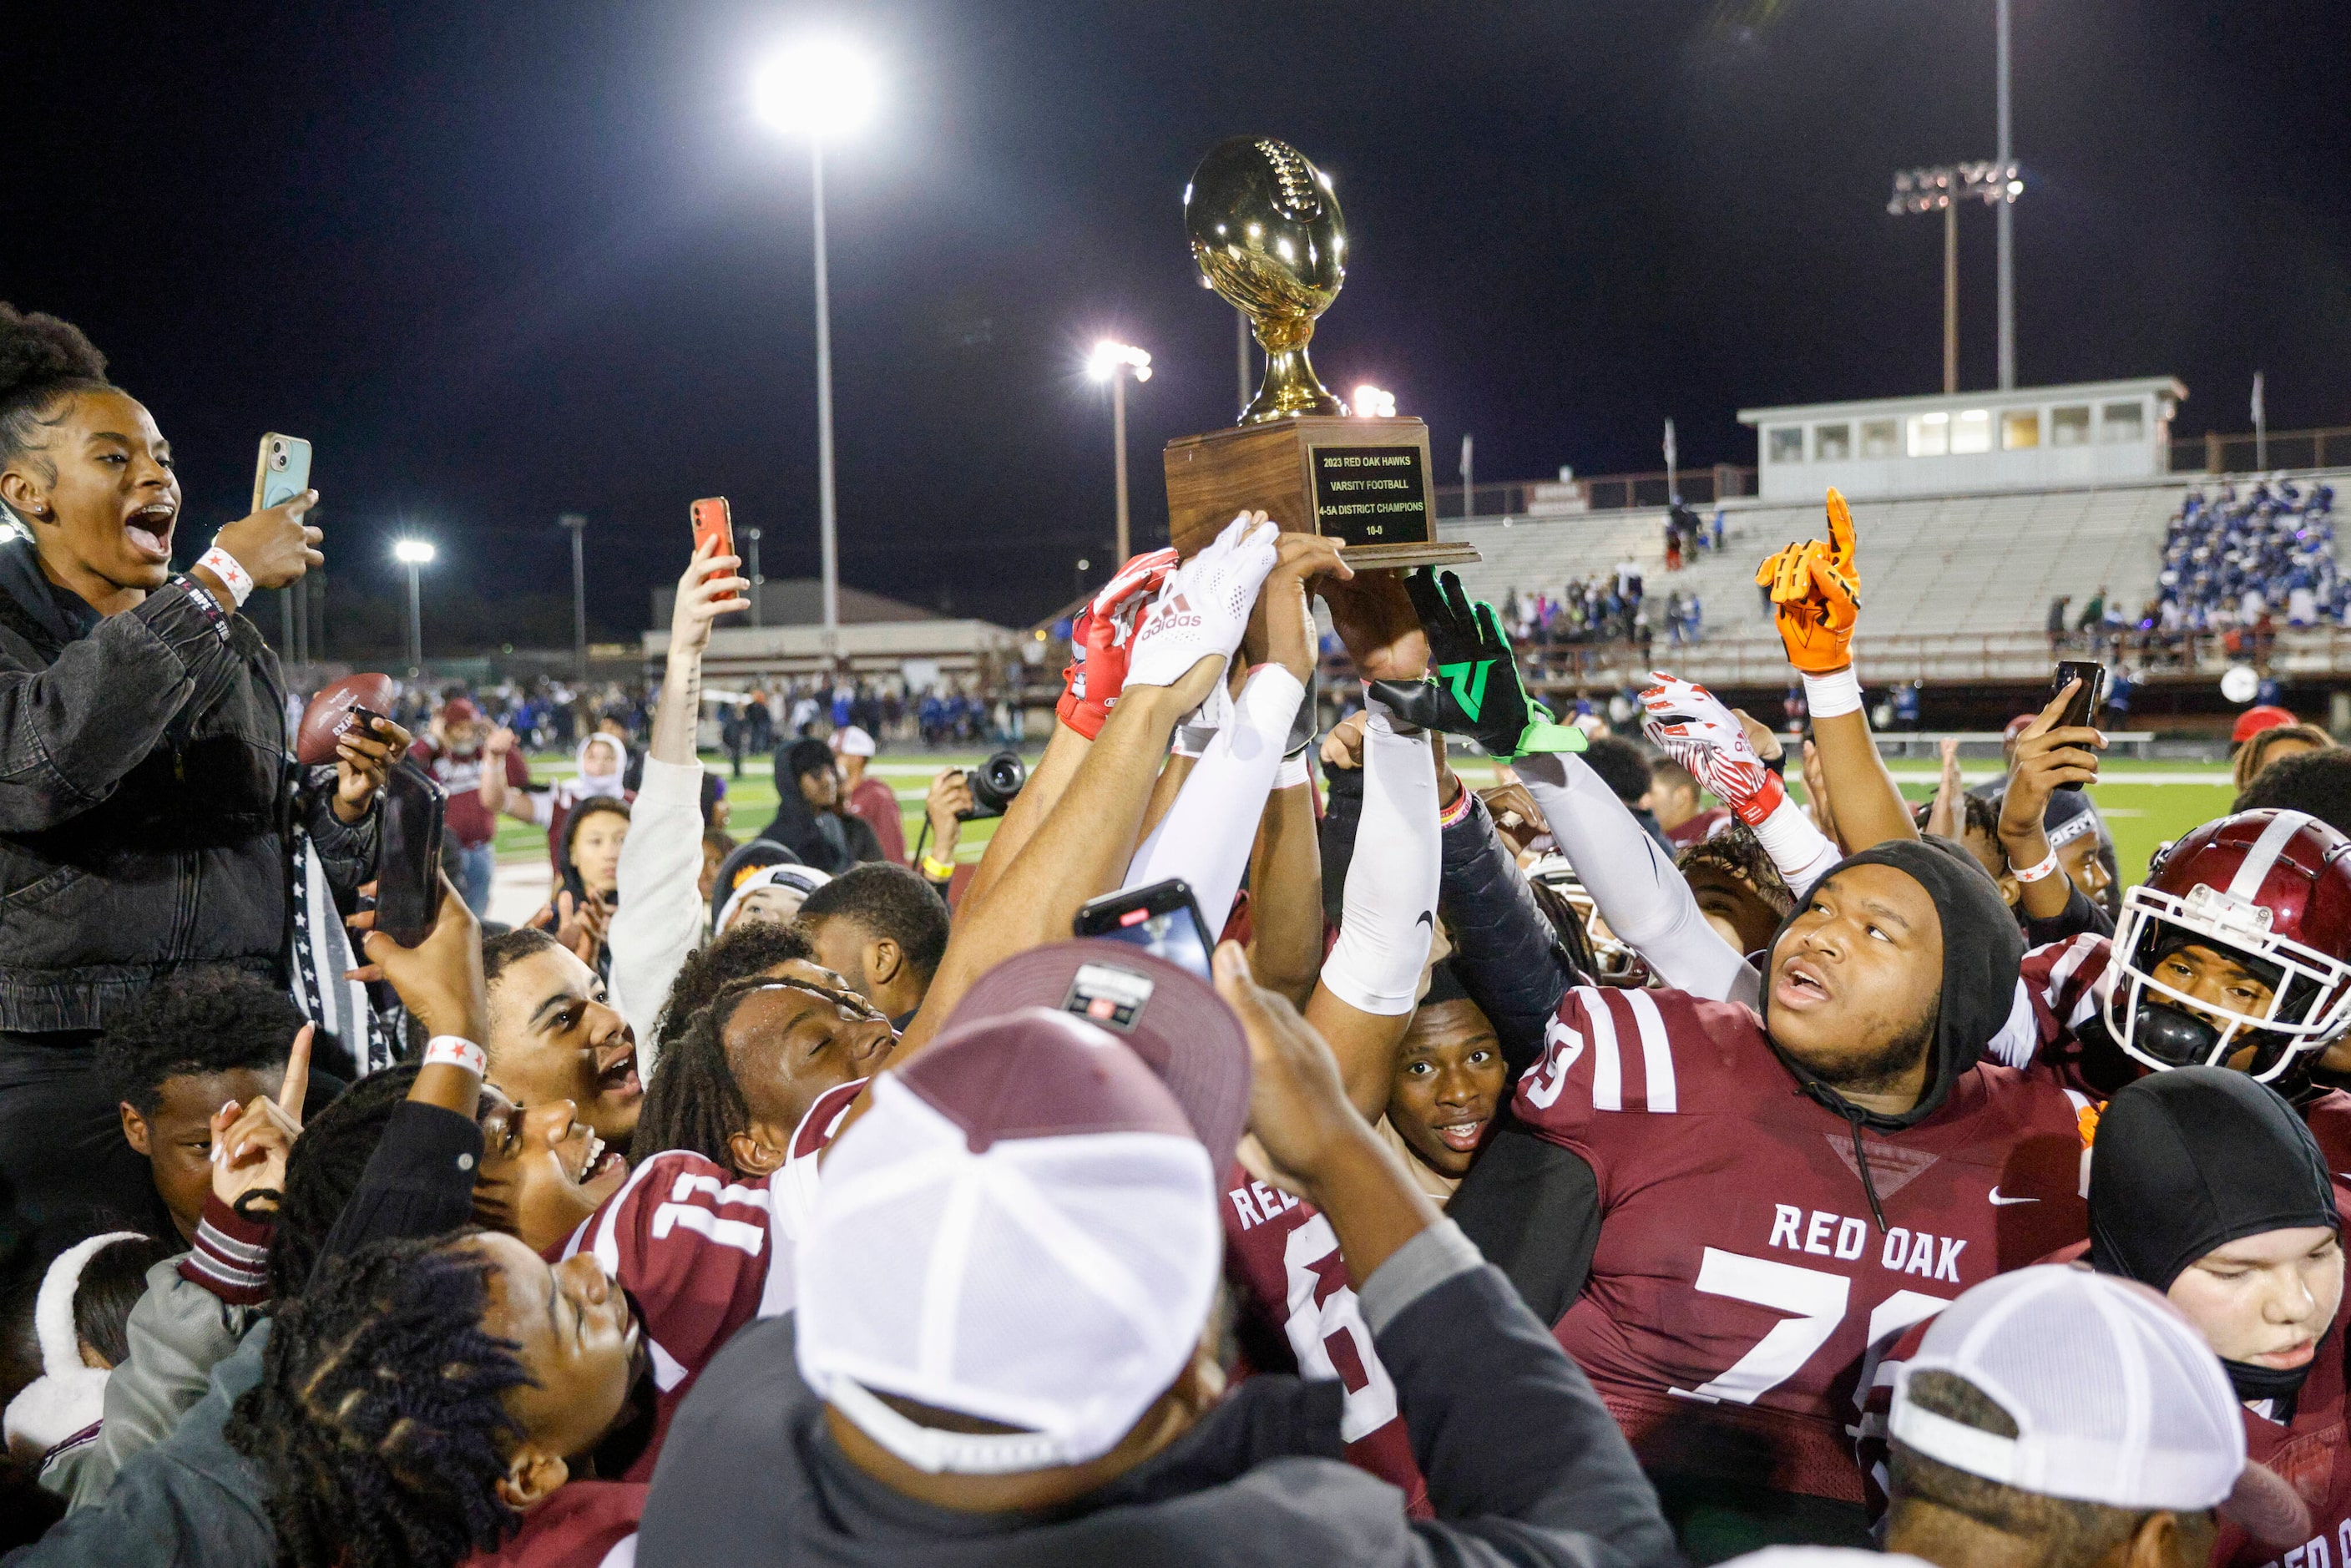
(2004, 156)
(823, 89)
(756, 578)
(575, 524)
(1113, 363)
(414, 555)
(1940, 188)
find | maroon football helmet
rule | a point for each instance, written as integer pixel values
(2268, 889)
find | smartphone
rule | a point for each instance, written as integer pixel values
(283, 471)
(408, 855)
(2083, 709)
(713, 519)
(1163, 919)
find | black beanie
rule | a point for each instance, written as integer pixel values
(2190, 1160)
(1982, 949)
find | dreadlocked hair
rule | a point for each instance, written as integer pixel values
(324, 1170)
(750, 947)
(43, 360)
(380, 1424)
(695, 1101)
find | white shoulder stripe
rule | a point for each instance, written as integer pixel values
(2255, 868)
(1656, 1052)
(1607, 1065)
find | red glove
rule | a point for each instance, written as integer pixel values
(1101, 638)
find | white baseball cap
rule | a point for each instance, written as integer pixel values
(2116, 1400)
(850, 741)
(1022, 1228)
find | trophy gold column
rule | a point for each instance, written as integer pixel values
(1268, 235)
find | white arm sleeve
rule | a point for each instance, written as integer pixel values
(1638, 892)
(658, 918)
(1802, 853)
(1388, 916)
(1205, 836)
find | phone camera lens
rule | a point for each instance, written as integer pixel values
(277, 456)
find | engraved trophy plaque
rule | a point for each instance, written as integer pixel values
(1268, 235)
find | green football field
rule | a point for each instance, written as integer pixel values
(2146, 804)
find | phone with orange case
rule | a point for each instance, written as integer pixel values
(712, 520)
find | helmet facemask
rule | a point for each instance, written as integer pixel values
(2157, 1024)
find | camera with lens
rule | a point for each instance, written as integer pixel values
(994, 783)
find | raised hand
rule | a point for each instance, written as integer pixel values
(362, 761)
(440, 978)
(709, 588)
(1816, 595)
(250, 1144)
(1101, 638)
(1690, 725)
(1373, 616)
(2048, 757)
(275, 546)
(1203, 606)
(1474, 688)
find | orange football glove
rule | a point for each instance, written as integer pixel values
(1816, 595)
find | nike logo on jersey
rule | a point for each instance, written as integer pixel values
(1425, 920)
(1999, 1202)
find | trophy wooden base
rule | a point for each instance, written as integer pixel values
(1364, 482)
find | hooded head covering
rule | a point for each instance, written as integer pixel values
(815, 838)
(69, 1395)
(601, 781)
(1983, 948)
(2186, 1162)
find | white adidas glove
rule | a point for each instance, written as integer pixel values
(1203, 606)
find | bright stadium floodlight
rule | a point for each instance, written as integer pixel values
(413, 552)
(1113, 362)
(820, 89)
(1941, 190)
(823, 89)
(1372, 403)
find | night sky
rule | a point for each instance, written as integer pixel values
(500, 262)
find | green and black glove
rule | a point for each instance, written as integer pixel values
(1475, 689)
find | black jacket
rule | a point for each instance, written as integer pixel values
(1524, 1465)
(145, 798)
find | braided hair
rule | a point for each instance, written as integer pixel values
(380, 1423)
(324, 1170)
(695, 1101)
(42, 361)
(751, 948)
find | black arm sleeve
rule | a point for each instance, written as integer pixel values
(1521, 1455)
(1505, 952)
(1533, 1209)
(419, 1181)
(2080, 914)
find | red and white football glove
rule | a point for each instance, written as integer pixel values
(1692, 726)
(1101, 638)
(1203, 606)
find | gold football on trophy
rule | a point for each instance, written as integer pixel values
(1267, 234)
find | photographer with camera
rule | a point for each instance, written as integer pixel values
(956, 796)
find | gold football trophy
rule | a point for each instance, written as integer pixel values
(1267, 234)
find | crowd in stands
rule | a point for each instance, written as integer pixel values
(1628, 1162)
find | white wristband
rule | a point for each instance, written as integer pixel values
(234, 578)
(1293, 772)
(1838, 692)
(455, 1051)
(2048, 867)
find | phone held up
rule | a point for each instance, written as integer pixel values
(714, 519)
(2087, 700)
(1163, 919)
(408, 855)
(282, 472)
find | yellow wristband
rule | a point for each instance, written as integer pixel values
(937, 870)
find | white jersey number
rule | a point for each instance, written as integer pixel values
(1327, 1331)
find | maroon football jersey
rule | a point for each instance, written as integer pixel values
(702, 1254)
(586, 1524)
(1740, 1277)
(1284, 1260)
(2067, 982)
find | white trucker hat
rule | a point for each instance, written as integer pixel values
(2116, 1400)
(1022, 1228)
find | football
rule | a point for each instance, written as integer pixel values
(329, 714)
